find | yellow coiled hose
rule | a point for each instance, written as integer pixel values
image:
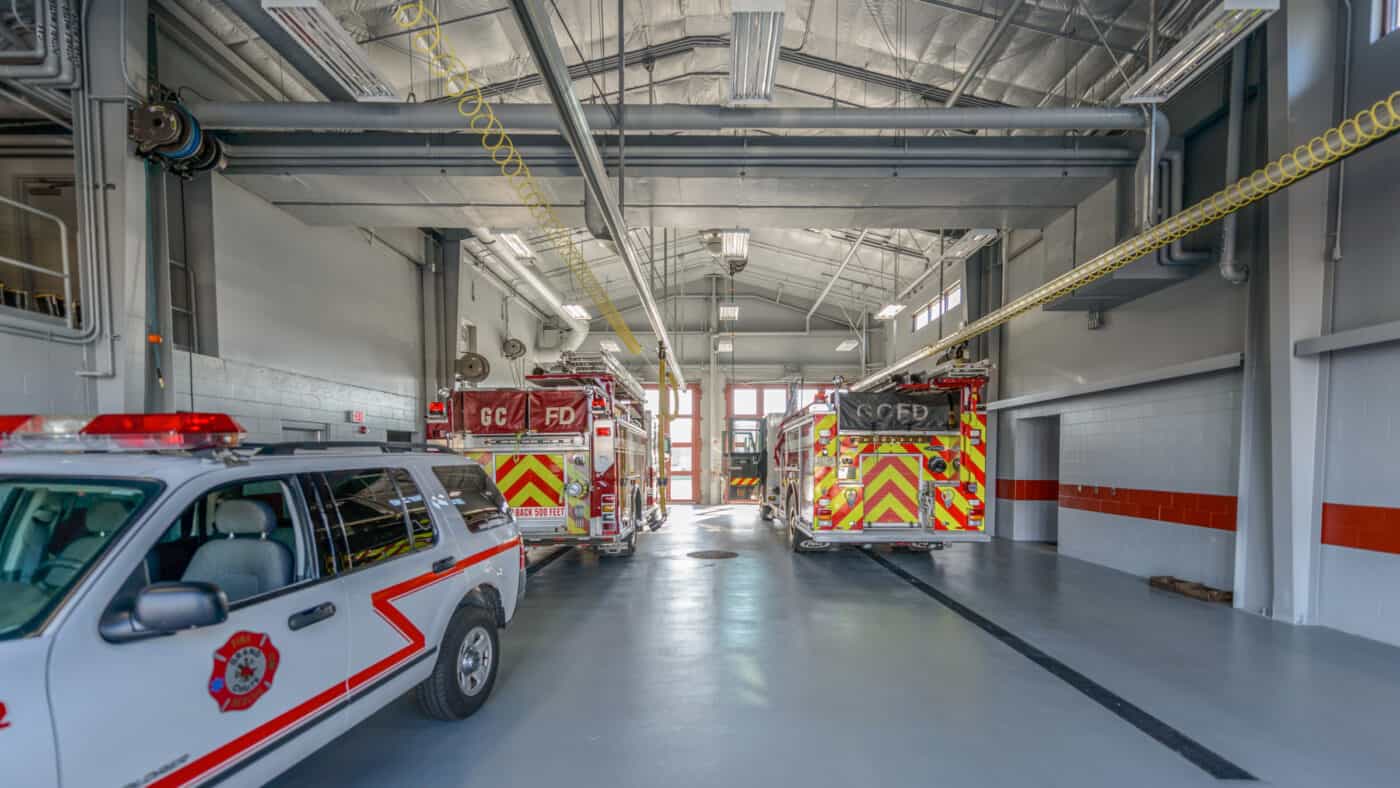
(1351, 135)
(473, 107)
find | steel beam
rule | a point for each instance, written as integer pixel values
(539, 35)
(252, 14)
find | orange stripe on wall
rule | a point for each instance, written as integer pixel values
(1362, 527)
(1028, 489)
(1198, 509)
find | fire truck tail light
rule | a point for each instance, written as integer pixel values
(824, 502)
(604, 432)
(120, 431)
(823, 512)
(599, 403)
(972, 487)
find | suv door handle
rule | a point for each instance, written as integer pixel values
(310, 616)
(444, 564)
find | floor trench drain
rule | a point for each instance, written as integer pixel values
(718, 554)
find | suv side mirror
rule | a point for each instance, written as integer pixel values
(166, 608)
(169, 607)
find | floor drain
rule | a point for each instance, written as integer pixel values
(713, 554)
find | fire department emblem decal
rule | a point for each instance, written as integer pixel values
(243, 670)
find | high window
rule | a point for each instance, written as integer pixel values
(929, 313)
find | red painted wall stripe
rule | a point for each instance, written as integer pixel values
(1362, 527)
(1198, 509)
(1028, 489)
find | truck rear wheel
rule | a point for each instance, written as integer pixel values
(467, 662)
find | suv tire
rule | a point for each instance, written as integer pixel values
(458, 685)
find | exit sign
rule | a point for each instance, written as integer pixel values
(355, 416)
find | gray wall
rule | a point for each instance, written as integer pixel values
(1359, 589)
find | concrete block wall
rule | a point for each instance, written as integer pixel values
(1358, 536)
(265, 400)
(1146, 476)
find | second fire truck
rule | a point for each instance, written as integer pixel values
(903, 467)
(571, 452)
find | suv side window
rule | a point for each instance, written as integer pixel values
(374, 527)
(244, 537)
(325, 524)
(420, 524)
(478, 501)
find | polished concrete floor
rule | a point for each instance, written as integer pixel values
(776, 670)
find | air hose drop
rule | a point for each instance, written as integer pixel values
(1357, 132)
(425, 32)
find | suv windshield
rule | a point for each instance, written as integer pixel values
(51, 531)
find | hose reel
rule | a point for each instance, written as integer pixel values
(166, 133)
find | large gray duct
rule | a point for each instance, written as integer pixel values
(333, 116)
(578, 329)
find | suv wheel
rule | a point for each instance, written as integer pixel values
(467, 662)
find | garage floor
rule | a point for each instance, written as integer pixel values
(771, 669)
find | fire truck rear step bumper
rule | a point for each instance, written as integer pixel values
(892, 536)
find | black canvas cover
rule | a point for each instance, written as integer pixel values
(891, 412)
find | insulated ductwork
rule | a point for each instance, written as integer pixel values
(520, 269)
(334, 116)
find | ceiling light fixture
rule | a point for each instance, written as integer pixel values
(756, 36)
(728, 311)
(889, 311)
(576, 311)
(610, 345)
(1215, 32)
(735, 244)
(316, 30)
(847, 345)
(516, 245)
(724, 346)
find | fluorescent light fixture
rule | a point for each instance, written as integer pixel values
(847, 345)
(735, 244)
(610, 345)
(756, 36)
(516, 245)
(317, 30)
(1215, 32)
(728, 311)
(724, 346)
(576, 311)
(969, 243)
(889, 311)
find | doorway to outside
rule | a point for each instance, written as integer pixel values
(746, 406)
(684, 457)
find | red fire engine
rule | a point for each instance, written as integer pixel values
(570, 452)
(903, 467)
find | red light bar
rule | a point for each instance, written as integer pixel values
(156, 423)
(119, 431)
(438, 408)
(9, 424)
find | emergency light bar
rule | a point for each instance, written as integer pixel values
(119, 432)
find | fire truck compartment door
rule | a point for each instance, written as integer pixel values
(890, 487)
(533, 484)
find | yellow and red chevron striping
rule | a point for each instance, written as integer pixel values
(891, 487)
(531, 479)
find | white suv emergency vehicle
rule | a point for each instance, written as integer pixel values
(177, 612)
